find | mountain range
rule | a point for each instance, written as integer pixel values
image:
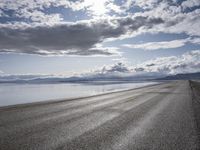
(186, 76)
(96, 78)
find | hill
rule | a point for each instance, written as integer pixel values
(186, 76)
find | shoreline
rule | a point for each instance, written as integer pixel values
(54, 101)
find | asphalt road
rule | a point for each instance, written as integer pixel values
(159, 117)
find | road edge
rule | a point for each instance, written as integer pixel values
(195, 94)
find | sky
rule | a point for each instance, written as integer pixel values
(69, 37)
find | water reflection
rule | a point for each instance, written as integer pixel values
(26, 93)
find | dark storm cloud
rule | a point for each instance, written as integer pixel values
(78, 39)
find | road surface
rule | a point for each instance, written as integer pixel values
(159, 117)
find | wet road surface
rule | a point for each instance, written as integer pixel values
(159, 117)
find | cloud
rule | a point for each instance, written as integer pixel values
(116, 68)
(78, 38)
(186, 63)
(186, 23)
(163, 44)
(31, 10)
(36, 10)
(158, 45)
(146, 4)
(176, 20)
(190, 3)
(195, 40)
(34, 30)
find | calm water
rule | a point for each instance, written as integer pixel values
(25, 93)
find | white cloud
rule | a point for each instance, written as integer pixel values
(34, 10)
(195, 40)
(175, 20)
(186, 23)
(158, 45)
(96, 7)
(146, 4)
(30, 9)
(190, 3)
(116, 68)
(186, 63)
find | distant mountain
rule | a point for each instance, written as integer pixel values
(98, 77)
(186, 76)
(115, 73)
(101, 77)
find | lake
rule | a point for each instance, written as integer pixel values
(11, 94)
